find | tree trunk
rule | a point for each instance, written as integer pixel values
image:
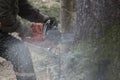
(98, 33)
(94, 17)
(68, 15)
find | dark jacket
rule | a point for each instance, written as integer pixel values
(9, 9)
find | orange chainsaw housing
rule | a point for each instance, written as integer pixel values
(37, 33)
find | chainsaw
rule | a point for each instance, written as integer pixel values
(51, 36)
(41, 31)
(48, 37)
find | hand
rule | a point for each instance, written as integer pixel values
(52, 23)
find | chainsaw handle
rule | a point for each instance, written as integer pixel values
(46, 25)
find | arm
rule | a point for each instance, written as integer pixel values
(7, 19)
(29, 12)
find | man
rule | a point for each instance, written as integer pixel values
(11, 48)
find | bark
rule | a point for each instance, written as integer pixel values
(98, 33)
(68, 15)
(95, 16)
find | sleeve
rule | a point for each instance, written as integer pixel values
(30, 13)
(8, 21)
(6, 17)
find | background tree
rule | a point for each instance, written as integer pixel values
(68, 15)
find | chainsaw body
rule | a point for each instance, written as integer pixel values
(46, 31)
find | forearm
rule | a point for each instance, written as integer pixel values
(29, 12)
(8, 22)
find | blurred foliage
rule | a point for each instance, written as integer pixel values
(48, 7)
(57, 0)
(51, 9)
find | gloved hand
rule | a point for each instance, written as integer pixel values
(52, 23)
(36, 30)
